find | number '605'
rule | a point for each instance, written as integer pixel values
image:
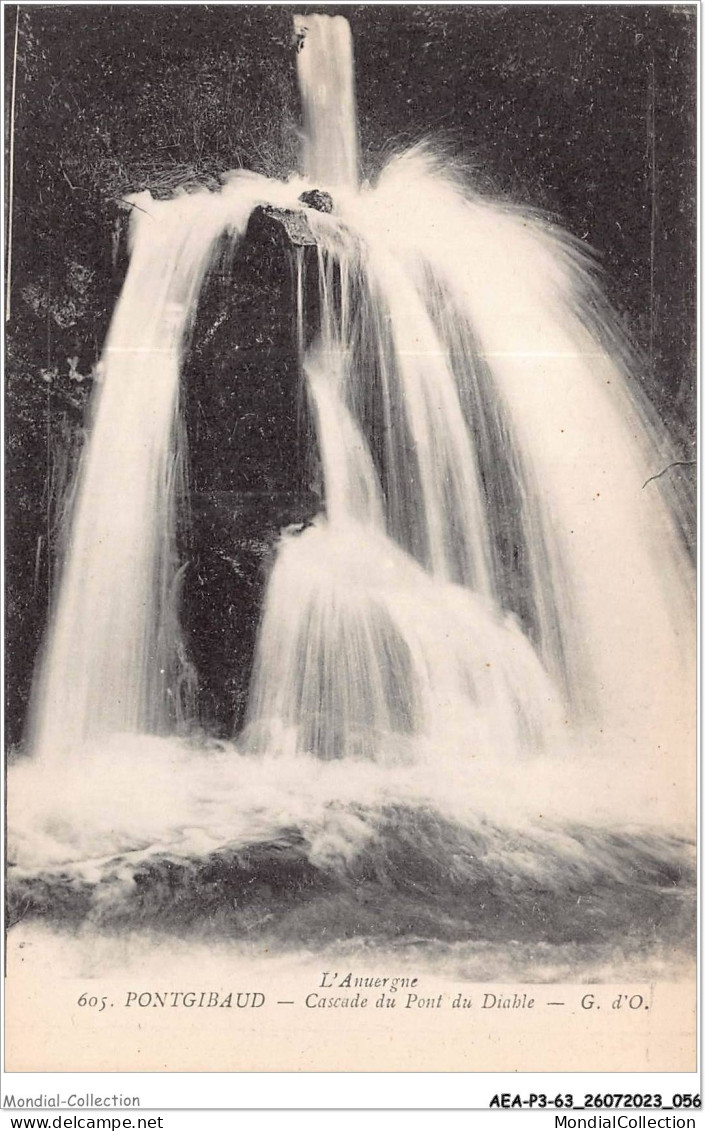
(98, 1003)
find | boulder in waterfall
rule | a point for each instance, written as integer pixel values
(317, 198)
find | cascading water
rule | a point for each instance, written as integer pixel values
(595, 549)
(361, 650)
(114, 660)
(492, 615)
(325, 69)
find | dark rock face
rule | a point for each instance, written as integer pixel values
(271, 226)
(251, 454)
(317, 198)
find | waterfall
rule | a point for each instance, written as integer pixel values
(492, 575)
(525, 441)
(113, 660)
(325, 69)
(362, 651)
(472, 689)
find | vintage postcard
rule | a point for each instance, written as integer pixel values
(350, 537)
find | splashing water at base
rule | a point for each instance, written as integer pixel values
(502, 873)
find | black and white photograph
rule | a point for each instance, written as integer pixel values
(350, 536)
